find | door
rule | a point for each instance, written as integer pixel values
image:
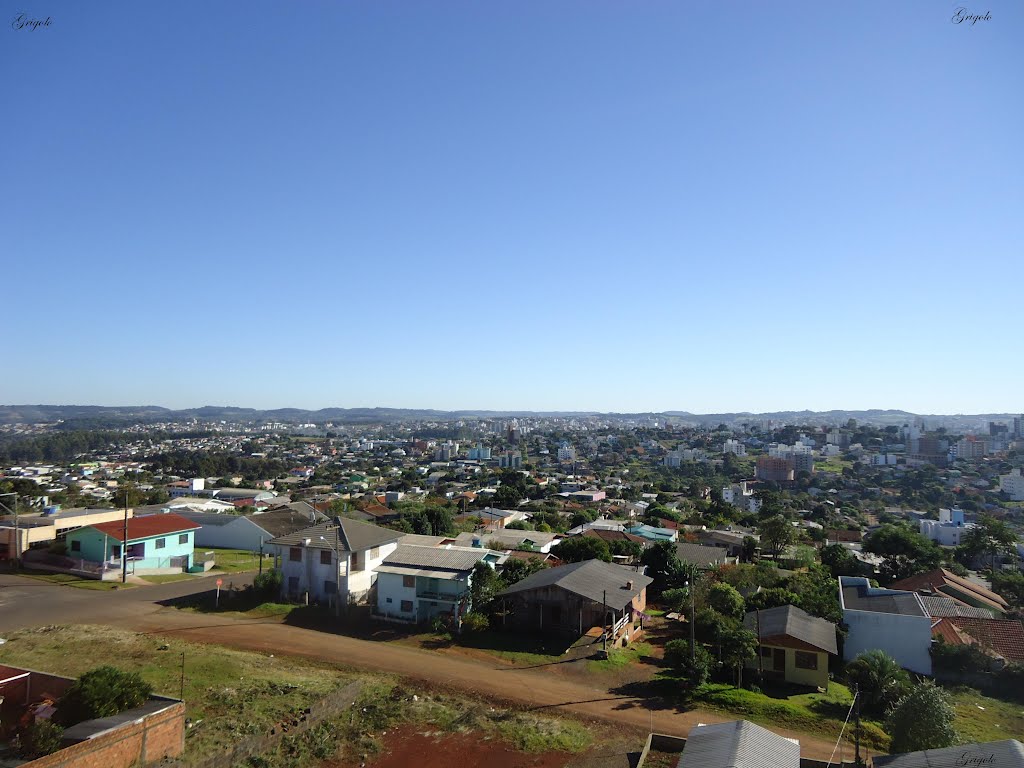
(779, 660)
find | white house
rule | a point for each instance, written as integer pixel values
(1013, 485)
(891, 620)
(948, 529)
(333, 560)
(416, 583)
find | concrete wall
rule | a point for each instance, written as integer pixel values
(97, 547)
(361, 582)
(311, 574)
(391, 593)
(240, 533)
(907, 639)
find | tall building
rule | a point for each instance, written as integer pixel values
(775, 469)
(566, 452)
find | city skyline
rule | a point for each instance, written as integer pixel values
(553, 207)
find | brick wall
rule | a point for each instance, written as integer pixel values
(157, 736)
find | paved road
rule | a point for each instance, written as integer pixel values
(27, 602)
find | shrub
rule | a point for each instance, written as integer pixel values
(960, 658)
(41, 738)
(475, 622)
(102, 692)
(691, 673)
(268, 583)
(922, 720)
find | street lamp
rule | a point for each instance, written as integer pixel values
(337, 573)
(17, 539)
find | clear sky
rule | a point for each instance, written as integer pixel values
(514, 204)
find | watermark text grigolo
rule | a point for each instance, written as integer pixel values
(961, 15)
(24, 21)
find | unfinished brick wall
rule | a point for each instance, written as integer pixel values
(158, 736)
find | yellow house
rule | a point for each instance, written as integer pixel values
(792, 645)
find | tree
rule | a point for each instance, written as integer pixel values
(515, 570)
(773, 597)
(922, 720)
(1009, 586)
(692, 670)
(905, 551)
(725, 600)
(839, 560)
(738, 646)
(747, 549)
(102, 692)
(578, 548)
(485, 585)
(989, 537)
(40, 738)
(777, 533)
(881, 681)
(665, 567)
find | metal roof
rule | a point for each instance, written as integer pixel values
(594, 580)
(440, 558)
(738, 744)
(350, 536)
(793, 622)
(944, 607)
(698, 554)
(991, 754)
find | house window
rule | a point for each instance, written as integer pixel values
(115, 551)
(330, 587)
(766, 652)
(295, 554)
(407, 606)
(161, 543)
(805, 660)
(389, 600)
(183, 538)
(293, 584)
(357, 564)
(76, 546)
(325, 557)
(409, 582)
(374, 553)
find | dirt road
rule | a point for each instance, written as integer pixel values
(532, 687)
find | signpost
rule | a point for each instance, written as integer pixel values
(219, 583)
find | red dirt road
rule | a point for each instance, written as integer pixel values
(533, 688)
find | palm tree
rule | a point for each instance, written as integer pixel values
(881, 682)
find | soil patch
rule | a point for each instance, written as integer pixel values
(413, 745)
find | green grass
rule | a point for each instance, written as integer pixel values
(821, 713)
(234, 693)
(832, 464)
(235, 560)
(998, 720)
(620, 657)
(70, 580)
(524, 650)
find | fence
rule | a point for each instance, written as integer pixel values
(330, 706)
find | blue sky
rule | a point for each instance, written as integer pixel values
(514, 205)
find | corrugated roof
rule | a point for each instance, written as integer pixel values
(940, 580)
(991, 754)
(351, 536)
(146, 527)
(738, 744)
(440, 558)
(939, 607)
(790, 621)
(594, 580)
(698, 554)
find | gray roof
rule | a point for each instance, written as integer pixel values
(946, 607)
(439, 558)
(738, 744)
(991, 754)
(508, 537)
(351, 536)
(792, 622)
(857, 598)
(423, 540)
(206, 519)
(698, 554)
(594, 580)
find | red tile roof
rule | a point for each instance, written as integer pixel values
(1003, 636)
(147, 527)
(936, 580)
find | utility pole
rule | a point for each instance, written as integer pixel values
(181, 694)
(124, 544)
(604, 635)
(760, 650)
(856, 731)
(261, 557)
(693, 642)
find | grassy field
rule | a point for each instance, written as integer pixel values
(519, 649)
(821, 713)
(70, 580)
(980, 718)
(832, 464)
(233, 694)
(620, 657)
(236, 560)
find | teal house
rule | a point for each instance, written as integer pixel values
(155, 544)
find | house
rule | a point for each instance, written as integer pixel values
(53, 526)
(573, 598)
(653, 534)
(794, 645)
(701, 556)
(729, 540)
(156, 544)
(492, 518)
(415, 583)
(334, 561)
(890, 620)
(999, 638)
(510, 538)
(945, 583)
(993, 754)
(738, 744)
(249, 532)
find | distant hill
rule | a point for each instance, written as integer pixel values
(98, 416)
